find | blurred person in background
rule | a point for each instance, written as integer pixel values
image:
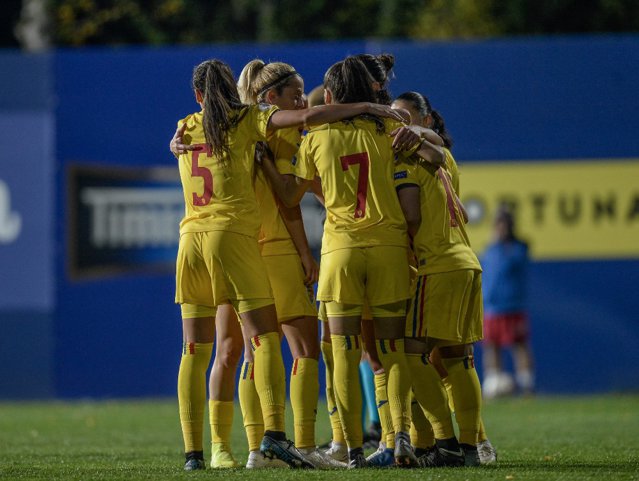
(505, 265)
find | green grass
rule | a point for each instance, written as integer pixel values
(545, 438)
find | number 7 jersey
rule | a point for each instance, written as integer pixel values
(219, 193)
(355, 164)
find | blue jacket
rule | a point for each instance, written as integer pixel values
(505, 266)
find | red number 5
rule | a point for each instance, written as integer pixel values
(451, 199)
(362, 179)
(205, 173)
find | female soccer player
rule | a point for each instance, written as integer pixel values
(446, 310)
(364, 246)
(218, 255)
(284, 248)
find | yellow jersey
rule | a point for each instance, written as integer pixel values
(441, 243)
(274, 237)
(218, 192)
(355, 164)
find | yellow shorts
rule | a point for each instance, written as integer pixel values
(447, 306)
(292, 298)
(217, 267)
(352, 276)
(338, 309)
(322, 316)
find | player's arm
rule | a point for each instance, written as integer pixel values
(292, 217)
(463, 210)
(407, 139)
(289, 188)
(316, 188)
(324, 114)
(408, 195)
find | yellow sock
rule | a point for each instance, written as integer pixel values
(431, 395)
(481, 435)
(466, 394)
(270, 379)
(192, 392)
(333, 415)
(421, 432)
(398, 381)
(385, 419)
(304, 393)
(250, 406)
(221, 420)
(347, 352)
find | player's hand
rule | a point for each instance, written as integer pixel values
(405, 138)
(176, 146)
(384, 111)
(262, 152)
(311, 269)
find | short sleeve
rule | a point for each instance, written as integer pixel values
(263, 113)
(405, 175)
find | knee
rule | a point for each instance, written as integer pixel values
(228, 355)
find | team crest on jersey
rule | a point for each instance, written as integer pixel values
(263, 107)
(401, 175)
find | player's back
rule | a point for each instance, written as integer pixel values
(441, 243)
(355, 163)
(218, 189)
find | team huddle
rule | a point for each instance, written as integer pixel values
(398, 283)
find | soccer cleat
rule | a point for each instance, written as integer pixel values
(194, 461)
(404, 453)
(321, 460)
(486, 451)
(337, 451)
(382, 458)
(257, 460)
(444, 453)
(356, 459)
(471, 456)
(221, 457)
(285, 451)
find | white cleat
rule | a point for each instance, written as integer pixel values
(257, 460)
(321, 460)
(487, 453)
(337, 451)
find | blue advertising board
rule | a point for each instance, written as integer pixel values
(105, 239)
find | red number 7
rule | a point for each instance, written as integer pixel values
(362, 179)
(205, 173)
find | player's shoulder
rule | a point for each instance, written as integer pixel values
(192, 120)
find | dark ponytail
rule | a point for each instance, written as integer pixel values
(349, 81)
(222, 105)
(422, 105)
(379, 67)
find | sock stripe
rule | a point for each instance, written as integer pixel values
(356, 342)
(255, 342)
(391, 343)
(295, 367)
(382, 346)
(469, 362)
(245, 370)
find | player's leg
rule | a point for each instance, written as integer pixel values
(345, 324)
(194, 293)
(522, 354)
(458, 360)
(198, 327)
(247, 281)
(494, 376)
(228, 350)
(387, 291)
(337, 449)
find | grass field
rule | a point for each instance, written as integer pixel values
(544, 438)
